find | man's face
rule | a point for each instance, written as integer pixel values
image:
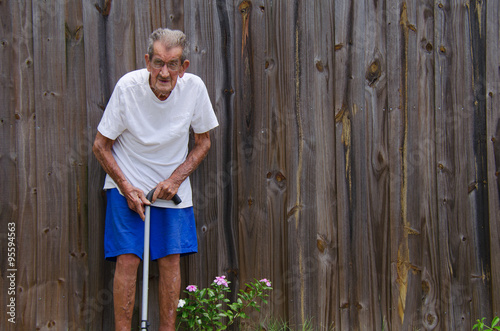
(165, 67)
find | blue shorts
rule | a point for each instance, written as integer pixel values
(173, 231)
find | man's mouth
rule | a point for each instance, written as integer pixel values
(163, 80)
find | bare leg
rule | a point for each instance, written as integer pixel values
(170, 288)
(124, 290)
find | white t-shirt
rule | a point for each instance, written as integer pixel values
(151, 136)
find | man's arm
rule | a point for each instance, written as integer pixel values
(168, 188)
(135, 197)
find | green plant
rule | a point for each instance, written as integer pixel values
(210, 309)
(481, 326)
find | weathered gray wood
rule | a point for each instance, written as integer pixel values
(422, 202)
(396, 120)
(98, 302)
(286, 87)
(274, 124)
(320, 189)
(77, 160)
(376, 69)
(343, 152)
(454, 147)
(476, 159)
(493, 140)
(211, 55)
(52, 166)
(414, 94)
(443, 147)
(24, 109)
(253, 138)
(8, 150)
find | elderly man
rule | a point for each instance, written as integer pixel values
(142, 143)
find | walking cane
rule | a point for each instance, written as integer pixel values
(145, 262)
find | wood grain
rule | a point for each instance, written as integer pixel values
(492, 141)
(52, 166)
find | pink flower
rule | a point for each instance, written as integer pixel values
(221, 281)
(191, 288)
(265, 280)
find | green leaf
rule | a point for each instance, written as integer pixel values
(235, 306)
(495, 321)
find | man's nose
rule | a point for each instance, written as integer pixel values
(164, 71)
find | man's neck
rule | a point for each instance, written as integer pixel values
(159, 95)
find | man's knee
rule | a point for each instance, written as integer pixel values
(169, 261)
(127, 263)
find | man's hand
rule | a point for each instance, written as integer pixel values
(165, 190)
(136, 200)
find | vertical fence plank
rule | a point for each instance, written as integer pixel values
(343, 150)
(422, 160)
(250, 149)
(52, 166)
(414, 102)
(284, 46)
(77, 155)
(453, 126)
(442, 88)
(477, 223)
(257, 230)
(377, 170)
(395, 108)
(9, 198)
(364, 307)
(277, 182)
(493, 144)
(23, 81)
(354, 129)
(212, 49)
(321, 192)
(97, 309)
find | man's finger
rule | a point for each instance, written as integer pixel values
(140, 210)
(145, 201)
(155, 194)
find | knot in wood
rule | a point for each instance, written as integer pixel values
(373, 72)
(245, 7)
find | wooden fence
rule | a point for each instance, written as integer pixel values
(356, 163)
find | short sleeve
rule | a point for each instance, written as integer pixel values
(204, 118)
(112, 122)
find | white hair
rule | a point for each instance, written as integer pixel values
(170, 38)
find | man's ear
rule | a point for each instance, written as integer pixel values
(184, 67)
